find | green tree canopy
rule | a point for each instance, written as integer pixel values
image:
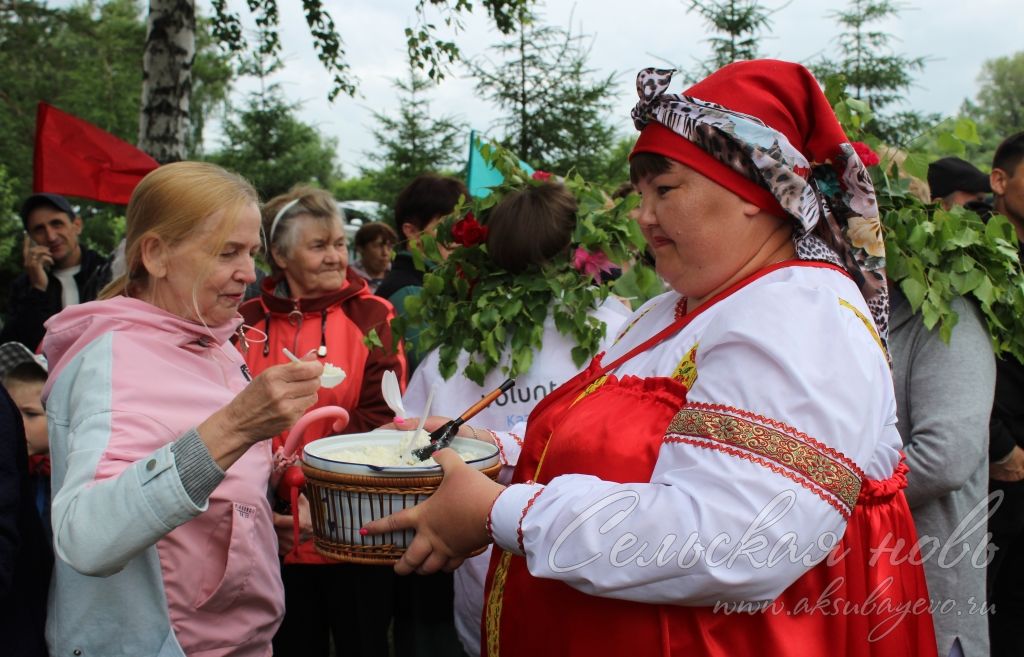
(85, 59)
(268, 144)
(165, 114)
(996, 110)
(427, 49)
(273, 149)
(739, 24)
(11, 234)
(1001, 96)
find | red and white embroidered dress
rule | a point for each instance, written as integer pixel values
(724, 482)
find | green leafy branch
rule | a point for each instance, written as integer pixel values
(329, 48)
(429, 52)
(936, 255)
(470, 304)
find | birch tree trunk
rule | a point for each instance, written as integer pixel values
(167, 79)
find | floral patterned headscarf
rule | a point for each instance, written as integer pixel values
(775, 129)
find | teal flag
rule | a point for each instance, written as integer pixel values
(481, 176)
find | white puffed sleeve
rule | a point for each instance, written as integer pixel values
(757, 473)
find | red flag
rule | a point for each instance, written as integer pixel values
(76, 158)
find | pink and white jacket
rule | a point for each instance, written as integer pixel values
(142, 568)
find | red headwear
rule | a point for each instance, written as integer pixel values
(764, 130)
(658, 139)
(783, 95)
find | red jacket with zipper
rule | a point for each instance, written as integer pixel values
(339, 321)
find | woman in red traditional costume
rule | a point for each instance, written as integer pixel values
(725, 480)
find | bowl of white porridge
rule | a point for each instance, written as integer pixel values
(353, 479)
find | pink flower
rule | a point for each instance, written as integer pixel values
(542, 176)
(866, 155)
(592, 263)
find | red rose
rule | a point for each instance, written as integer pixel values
(469, 232)
(867, 156)
(542, 176)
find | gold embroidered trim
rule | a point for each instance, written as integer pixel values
(810, 460)
(598, 382)
(492, 610)
(686, 370)
(867, 322)
(492, 614)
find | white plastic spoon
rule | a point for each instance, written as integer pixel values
(407, 443)
(393, 393)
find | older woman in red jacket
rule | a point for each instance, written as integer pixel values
(313, 302)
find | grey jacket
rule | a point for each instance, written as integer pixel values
(944, 399)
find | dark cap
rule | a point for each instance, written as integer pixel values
(951, 174)
(53, 200)
(13, 354)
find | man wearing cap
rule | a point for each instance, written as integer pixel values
(59, 272)
(957, 182)
(1006, 447)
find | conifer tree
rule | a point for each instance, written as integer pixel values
(874, 73)
(411, 141)
(739, 23)
(269, 145)
(555, 112)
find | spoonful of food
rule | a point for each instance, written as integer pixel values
(331, 376)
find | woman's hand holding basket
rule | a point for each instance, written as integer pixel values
(450, 524)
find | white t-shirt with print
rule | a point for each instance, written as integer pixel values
(551, 367)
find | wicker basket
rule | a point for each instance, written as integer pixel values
(342, 503)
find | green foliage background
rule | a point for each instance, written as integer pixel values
(470, 304)
(274, 150)
(85, 59)
(935, 255)
(874, 72)
(409, 141)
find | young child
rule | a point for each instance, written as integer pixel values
(26, 556)
(24, 375)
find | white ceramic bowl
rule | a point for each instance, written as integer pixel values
(325, 454)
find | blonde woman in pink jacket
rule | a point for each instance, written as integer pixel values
(163, 533)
